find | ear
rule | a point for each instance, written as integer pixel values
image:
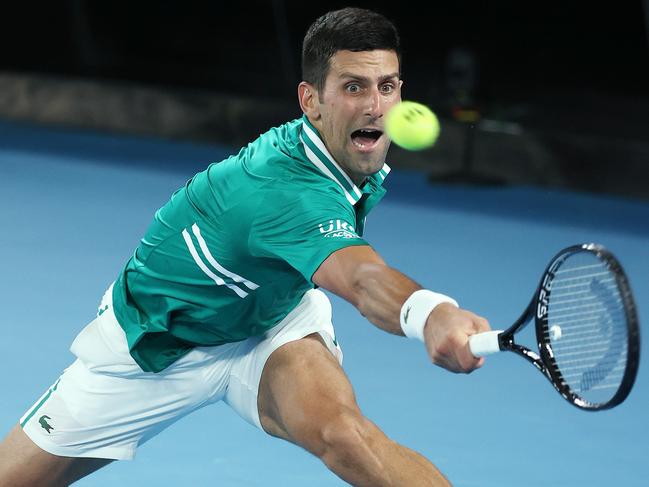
(309, 101)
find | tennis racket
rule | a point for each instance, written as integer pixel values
(586, 329)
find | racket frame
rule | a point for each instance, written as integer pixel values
(537, 311)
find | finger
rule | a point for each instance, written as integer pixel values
(476, 365)
(482, 325)
(467, 361)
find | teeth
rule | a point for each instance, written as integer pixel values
(367, 133)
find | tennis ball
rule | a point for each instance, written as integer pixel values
(555, 332)
(412, 125)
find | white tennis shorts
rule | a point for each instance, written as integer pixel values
(105, 406)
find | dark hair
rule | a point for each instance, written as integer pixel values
(351, 29)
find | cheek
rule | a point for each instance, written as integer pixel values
(345, 119)
(395, 101)
(338, 129)
(337, 122)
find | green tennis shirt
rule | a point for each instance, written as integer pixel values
(234, 250)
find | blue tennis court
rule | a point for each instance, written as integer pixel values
(73, 211)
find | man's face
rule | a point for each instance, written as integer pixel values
(359, 90)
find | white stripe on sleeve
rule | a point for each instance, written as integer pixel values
(206, 251)
(220, 282)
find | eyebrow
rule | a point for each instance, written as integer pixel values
(366, 79)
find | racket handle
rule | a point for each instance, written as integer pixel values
(482, 344)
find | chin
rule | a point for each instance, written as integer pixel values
(367, 168)
(364, 164)
(373, 162)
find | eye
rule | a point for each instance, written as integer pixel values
(387, 88)
(353, 88)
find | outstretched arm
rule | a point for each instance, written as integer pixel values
(359, 275)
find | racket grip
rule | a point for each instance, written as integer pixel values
(483, 344)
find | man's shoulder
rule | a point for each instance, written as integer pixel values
(285, 137)
(275, 167)
(292, 202)
(279, 156)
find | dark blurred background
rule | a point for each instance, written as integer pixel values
(543, 93)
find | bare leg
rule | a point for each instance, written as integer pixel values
(306, 398)
(23, 464)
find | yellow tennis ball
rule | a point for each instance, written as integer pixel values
(412, 125)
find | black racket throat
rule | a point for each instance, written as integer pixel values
(593, 303)
(507, 342)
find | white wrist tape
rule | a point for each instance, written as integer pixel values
(415, 311)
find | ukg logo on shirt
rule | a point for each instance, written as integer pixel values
(337, 229)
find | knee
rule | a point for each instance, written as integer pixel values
(345, 436)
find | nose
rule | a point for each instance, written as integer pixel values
(374, 104)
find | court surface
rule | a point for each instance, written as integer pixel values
(74, 206)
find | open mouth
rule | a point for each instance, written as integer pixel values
(366, 138)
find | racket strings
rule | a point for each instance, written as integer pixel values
(581, 312)
(586, 306)
(587, 341)
(582, 298)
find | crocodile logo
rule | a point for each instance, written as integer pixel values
(101, 310)
(44, 424)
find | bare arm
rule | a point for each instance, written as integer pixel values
(359, 275)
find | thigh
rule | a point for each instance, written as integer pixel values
(22, 463)
(306, 398)
(302, 386)
(312, 316)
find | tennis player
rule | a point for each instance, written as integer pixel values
(220, 301)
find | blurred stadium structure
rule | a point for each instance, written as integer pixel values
(543, 93)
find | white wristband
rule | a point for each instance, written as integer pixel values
(417, 308)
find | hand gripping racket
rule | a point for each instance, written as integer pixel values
(586, 329)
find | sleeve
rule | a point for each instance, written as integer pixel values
(300, 231)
